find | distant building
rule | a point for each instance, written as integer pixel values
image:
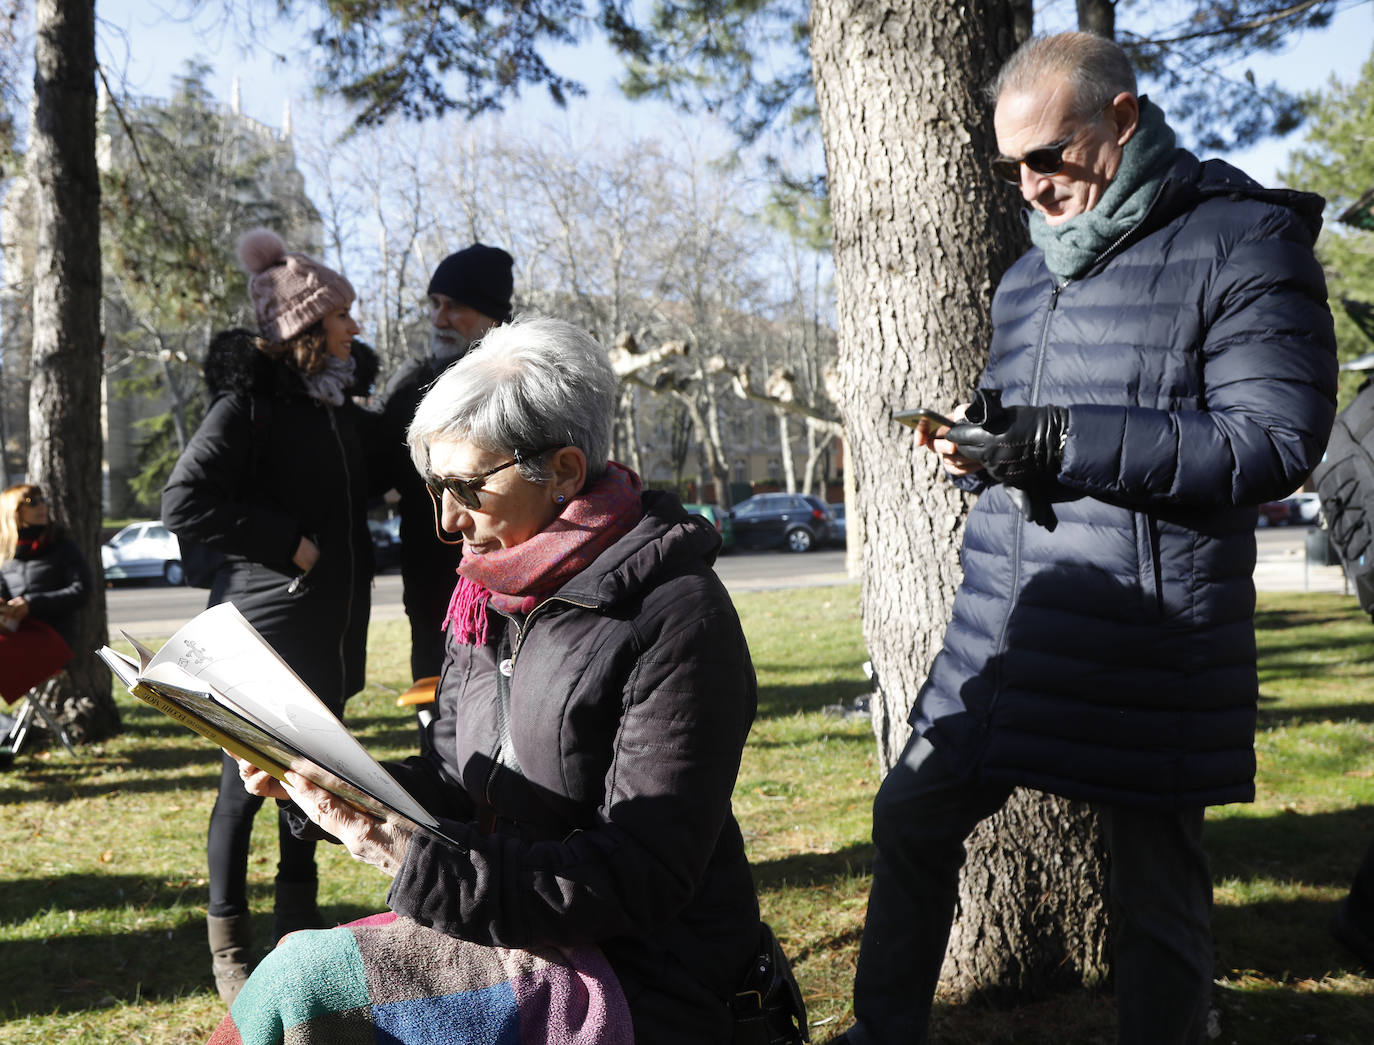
(277, 180)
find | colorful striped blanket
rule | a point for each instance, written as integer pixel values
(387, 979)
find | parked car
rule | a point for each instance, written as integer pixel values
(1304, 508)
(1274, 513)
(386, 541)
(839, 533)
(141, 551)
(797, 522)
(718, 518)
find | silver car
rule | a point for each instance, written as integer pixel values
(143, 550)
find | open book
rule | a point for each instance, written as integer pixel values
(218, 676)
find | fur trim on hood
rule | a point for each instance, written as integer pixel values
(234, 364)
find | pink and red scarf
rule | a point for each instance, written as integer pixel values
(516, 579)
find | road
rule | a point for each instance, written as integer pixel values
(155, 609)
(1282, 563)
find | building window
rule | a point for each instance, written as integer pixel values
(741, 471)
(774, 469)
(770, 427)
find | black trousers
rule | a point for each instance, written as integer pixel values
(231, 831)
(1161, 896)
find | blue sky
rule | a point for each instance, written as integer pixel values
(158, 42)
(149, 41)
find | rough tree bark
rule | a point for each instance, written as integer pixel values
(64, 397)
(922, 234)
(1098, 16)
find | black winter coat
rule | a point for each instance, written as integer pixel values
(55, 580)
(428, 566)
(268, 465)
(631, 695)
(1113, 657)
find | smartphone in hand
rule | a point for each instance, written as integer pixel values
(922, 417)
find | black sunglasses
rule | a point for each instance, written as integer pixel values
(464, 491)
(1043, 159)
(34, 499)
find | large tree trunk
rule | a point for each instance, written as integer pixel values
(922, 235)
(1098, 16)
(64, 397)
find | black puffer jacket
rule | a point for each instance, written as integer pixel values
(631, 695)
(1113, 657)
(427, 564)
(268, 465)
(54, 579)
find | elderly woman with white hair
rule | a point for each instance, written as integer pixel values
(591, 713)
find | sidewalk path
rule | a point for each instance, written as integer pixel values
(1282, 563)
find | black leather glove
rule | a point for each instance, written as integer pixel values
(1016, 444)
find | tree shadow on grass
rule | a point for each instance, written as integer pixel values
(780, 701)
(813, 869)
(1295, 662)
(138, 770)
(87, 970)
(1274, 712)
(1282, 620)
(1319, 849)
(92, 970)
(1280, 940)
(25, 899)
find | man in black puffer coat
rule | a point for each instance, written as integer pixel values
(469, 293)
(1162, 362)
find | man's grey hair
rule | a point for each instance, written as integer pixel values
(533, 384)
(1096, 68)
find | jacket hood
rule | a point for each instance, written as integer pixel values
(234, 365)
(1193, 180)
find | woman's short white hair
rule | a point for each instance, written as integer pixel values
(533, 384)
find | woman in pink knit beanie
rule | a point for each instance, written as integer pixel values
(269, 499)
(302, 306)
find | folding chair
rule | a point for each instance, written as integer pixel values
(418, 696)
(30, 707)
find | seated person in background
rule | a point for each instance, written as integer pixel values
(43, 577)
(42, 571)
(594, 702)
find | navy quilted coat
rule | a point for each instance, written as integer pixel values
(1113, 656)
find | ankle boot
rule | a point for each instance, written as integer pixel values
(295, 908)
(231, 953)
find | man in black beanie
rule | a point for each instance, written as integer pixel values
(469, 293)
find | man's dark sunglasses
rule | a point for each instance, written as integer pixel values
(464, 491)
(1044, 159)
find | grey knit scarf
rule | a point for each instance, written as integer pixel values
(328, 385)
(1071, 248)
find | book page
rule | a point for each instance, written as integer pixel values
(220, 654)
(124, 667)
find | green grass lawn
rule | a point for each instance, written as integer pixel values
(102, 876)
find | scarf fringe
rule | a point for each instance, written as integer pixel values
(467, 612)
